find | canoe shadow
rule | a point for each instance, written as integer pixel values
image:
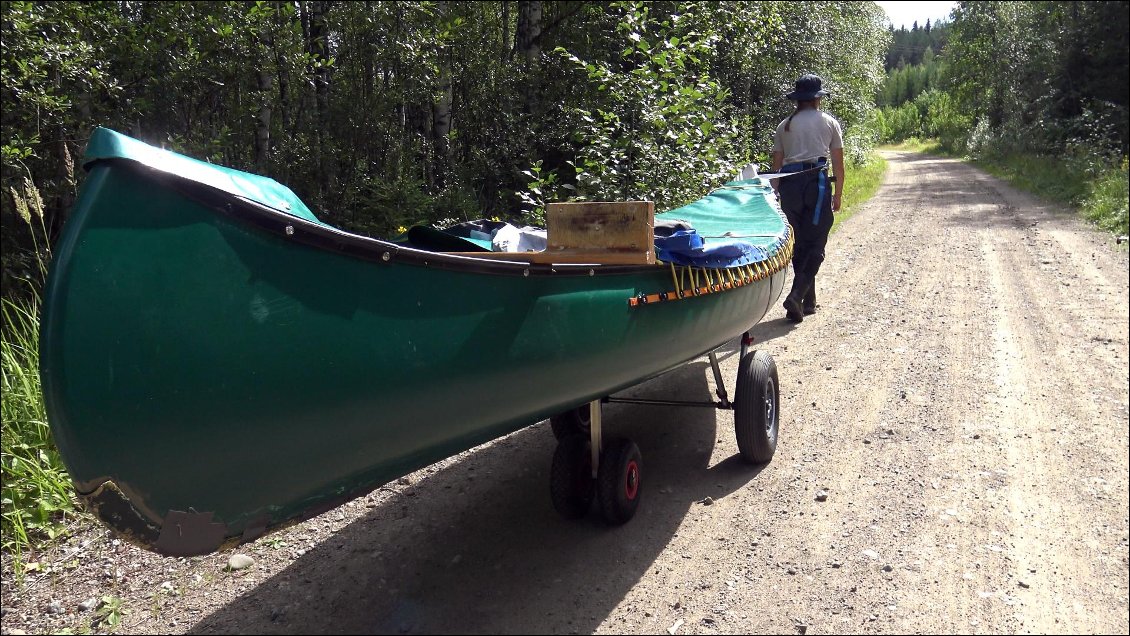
(478, 548)
(763, 333)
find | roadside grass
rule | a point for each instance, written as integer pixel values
(36, 495)
(863, 181)
(1094, 187)
(1107, 201)
(37, 492)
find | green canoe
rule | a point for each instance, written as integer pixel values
(217, 362)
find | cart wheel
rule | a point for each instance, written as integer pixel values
(755, 407)
(570, 481)
(572, 422)
(618, 481)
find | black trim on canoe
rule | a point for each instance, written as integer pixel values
(332, 239)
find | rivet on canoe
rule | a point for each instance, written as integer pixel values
(386, 256)
(290, 230)
(525, 272)
(592, 273)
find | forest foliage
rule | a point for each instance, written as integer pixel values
(385, 114)
(1036, 92)
(1043, 78)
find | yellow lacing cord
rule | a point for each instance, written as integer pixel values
(726, 278)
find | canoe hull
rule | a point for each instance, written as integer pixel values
(201, 359)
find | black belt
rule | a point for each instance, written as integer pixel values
(804, 167)
(807, 165)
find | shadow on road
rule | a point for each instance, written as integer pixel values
(763, 333)
(987, 202)
(478, 548)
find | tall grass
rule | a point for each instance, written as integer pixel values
(36, 487)
(36, 492)
(862, 182)
(1107, 202)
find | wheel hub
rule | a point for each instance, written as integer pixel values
(632, 481)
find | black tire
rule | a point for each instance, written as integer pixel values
(618, 483)
(571, 485)
(572, 422)
(756, 407)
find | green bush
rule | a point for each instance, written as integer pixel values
(944, 121)
(901, 122)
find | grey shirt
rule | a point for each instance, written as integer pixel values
(812, 134)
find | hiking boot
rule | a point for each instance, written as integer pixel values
(793, 310)
(809, 303)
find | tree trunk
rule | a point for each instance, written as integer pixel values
(506, 46)
(282, 70)
(527, 40)
(263, 120)
(317, 46)
(441, 106)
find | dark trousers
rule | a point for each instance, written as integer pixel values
(810, 213)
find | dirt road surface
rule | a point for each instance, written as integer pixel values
(952, 459)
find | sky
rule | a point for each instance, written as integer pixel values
(903, 13)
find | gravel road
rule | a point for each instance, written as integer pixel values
(952, 459)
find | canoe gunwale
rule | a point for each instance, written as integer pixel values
(328, 238)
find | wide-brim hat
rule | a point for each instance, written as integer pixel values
(807, 87)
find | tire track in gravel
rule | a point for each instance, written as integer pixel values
(1047, 337)
(920, 293)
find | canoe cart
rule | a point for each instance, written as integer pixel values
(585, 467)
(218, 362)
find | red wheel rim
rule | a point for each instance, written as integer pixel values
(632, 481)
